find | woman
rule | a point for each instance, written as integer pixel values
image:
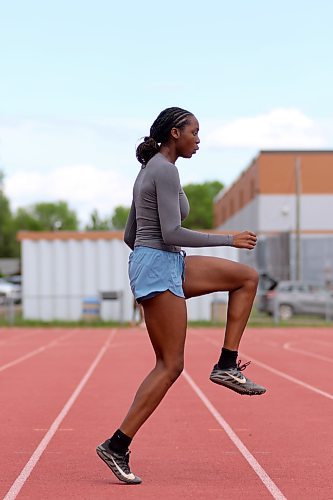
(161, 283)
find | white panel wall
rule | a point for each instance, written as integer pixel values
(89, 267)
(60, 279)
(277, 213)
(245, 219)
(199, 308)
(75, 278)
(31, 281)
(46, 280)
(59, 274)
(316, 212)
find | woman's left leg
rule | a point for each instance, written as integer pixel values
(212, 274)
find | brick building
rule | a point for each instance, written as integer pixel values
(263, 199)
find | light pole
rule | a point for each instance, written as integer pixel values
(298, 190)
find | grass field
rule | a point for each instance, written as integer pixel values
(257, 319)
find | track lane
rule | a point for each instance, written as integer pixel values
(179, 452)
(13, 335)
(27, 346)
(33, 392)
(35, 457)
(306, 370)
(288, 429)
(300, 348)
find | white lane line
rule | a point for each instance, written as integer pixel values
(28, 468)
(264, 477)
(290, 378)
(36, 351)
(277, 372)
(288, 347)
(280, 374)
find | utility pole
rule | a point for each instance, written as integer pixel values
(298, 190)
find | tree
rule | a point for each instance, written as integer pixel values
(116, 221)
(46, 217)
(8, 245)
(97, 223)
(200, 197)
(119, 217)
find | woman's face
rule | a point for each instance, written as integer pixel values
(188, 140)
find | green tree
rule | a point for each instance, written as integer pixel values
(8, 245)
(98, 223)
(46, 217)
(200, 197)
(119, 217)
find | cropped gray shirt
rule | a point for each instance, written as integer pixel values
(158, 207)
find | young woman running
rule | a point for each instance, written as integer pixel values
(161, 278)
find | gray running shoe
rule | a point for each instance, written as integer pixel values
(235, 380)
(117, 463)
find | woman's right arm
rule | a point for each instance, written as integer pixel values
(130, 229)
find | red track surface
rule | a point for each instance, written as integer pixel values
(183, 451)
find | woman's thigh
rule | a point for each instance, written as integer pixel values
(213, 274)
(166, 321)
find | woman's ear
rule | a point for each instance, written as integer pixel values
(175, 133)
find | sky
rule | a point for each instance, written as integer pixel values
(82, 81)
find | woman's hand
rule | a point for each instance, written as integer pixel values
(246, 239)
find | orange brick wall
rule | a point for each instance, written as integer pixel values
(277, 173)
(273, 172)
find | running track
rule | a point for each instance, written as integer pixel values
(63, 391)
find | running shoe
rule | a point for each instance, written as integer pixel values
(117, 463)
(235, 380)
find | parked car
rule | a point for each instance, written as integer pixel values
(9, 290)
(297, 297)
(16, 279)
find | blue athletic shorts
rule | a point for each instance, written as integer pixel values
(152, 271)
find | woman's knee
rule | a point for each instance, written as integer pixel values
(173, 370)
(252, 278)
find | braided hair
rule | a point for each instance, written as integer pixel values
(159, 132)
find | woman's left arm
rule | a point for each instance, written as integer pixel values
(130, 229)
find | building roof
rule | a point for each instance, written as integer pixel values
(70, 235)
(295, 151)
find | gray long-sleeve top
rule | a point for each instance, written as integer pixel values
(158, 207)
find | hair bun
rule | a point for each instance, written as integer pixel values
(147, 149)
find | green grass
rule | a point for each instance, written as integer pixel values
(19, 321)
(257, 320)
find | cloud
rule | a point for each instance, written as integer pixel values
(85, 187)
(42, 143)
(91, 162)
(88, 162)
(283, 128)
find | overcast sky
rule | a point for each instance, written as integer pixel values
(82, 81)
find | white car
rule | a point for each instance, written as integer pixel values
(9, 290)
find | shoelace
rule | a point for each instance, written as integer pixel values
(124, 460)
(241, 367)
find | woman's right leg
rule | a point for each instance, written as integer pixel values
(166, 321)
